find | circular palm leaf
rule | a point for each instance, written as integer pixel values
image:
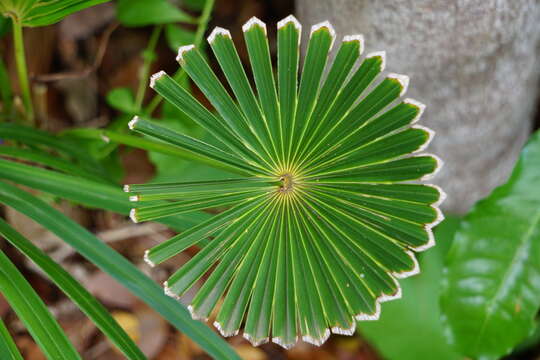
(321, 220)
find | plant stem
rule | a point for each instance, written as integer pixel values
(181, 74)
(149, 57)
(22, 70)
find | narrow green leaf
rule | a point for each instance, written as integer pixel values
(261, 65)
(321, 40)
(419, 167)
(186, 143)
(33, 313)
(8, 349)
(194, 64)
(45, 13)
(184, 101)
(288, 41)
(493, 278)
(117, 266)
(349, 51)
(221, 42)
(71, 287)
(236, 300)
(362, 78)
(43, 158)
(84, 191)
(151, 212)
(192, 236)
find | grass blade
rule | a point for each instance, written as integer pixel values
(117, 266)
(8, 349)
(71, 287)
(33, 313)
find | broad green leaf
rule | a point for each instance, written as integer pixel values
(411, 329)
(144, 12)
(116, 266)
(8, 349)
(122, 99)
(338, 226)
(48, 12)
(492, 287)
(33, 313)
(78, 294)
(177, 36)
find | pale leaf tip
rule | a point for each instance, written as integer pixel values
(126, 188)
(438, 168)
(278, 340)
(224, 332)
(134, 198)
(325, 24)
(155, 77)
(182, 50)
(290, 19)
(341, 331)
(133, 215)
(405, 274)
(402, 79)
(421, 108)
(147, 260)
(357, 37)
(395, 296)
(380, 54)
(133, 122)
(218, 31)
(167, 290)
(253, 340)
(430, 133)
(317, 341)
(254, 21)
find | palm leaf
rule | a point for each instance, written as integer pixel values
(322, 225)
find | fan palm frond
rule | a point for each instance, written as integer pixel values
(322, 218)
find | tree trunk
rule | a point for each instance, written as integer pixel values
(472, 62)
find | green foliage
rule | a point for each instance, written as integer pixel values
(34, 13)
(112, 263)
(33, 313)
(122, 99)
(318, 228)
(78, 294)
(8, 349)
(144, 12)
(178, 36)
(492, 286)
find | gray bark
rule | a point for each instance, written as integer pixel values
(472, 62)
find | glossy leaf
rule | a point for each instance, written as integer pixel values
(492, 286)
(319, 225)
